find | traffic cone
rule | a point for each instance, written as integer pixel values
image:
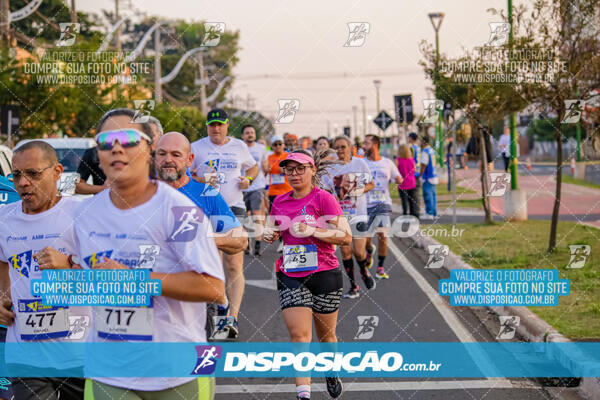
(528, 164)
(572, 166)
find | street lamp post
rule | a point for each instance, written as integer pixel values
(363, 100)
(377, 84)
(513, 118)
(436, 21)
(354, 127)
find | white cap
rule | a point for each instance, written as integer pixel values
(276, 138)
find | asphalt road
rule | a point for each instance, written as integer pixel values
(409, 310)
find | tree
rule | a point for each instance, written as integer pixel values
(567, 30)
(482, 103)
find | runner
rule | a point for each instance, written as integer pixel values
(220, 161)
(30, 231)
(429, 178)
(173, 158)
(141, 223)
(278, 183)
(350, 179)
(323, 144)
(310, 222)
(253, 196)
(379, 201)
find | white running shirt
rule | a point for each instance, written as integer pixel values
(21, 236)
(383, 172)
(229, 161)
(168, 234)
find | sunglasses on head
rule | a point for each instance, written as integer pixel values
(125, 137)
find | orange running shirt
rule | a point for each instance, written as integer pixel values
(278, 183)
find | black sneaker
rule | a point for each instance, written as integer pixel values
(368, 279)
(334, 387)
(352, 293)
(302, 398)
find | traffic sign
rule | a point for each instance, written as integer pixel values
(383, 120)
(403, 106)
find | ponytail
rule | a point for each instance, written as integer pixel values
(321, 161)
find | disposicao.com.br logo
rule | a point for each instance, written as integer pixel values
(349, 362)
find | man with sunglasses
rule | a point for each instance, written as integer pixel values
(143, 223)
(278, 183)
(36, 233)
(226, 164)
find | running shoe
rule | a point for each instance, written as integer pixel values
(381, 274)
(280, 248)
(352, 293)
(302, 398)
(232, 326)
(334, 387)
(370, 252)
(368, 279)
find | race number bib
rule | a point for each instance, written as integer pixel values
(297, 258)
(348, 207)
(277, 179)
(125, 323)
(376, 196)
(39, 322)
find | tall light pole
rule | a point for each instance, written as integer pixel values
(363, 100)
(157, 71)
(355, 128)
(377, 84)
(513, 118)
(436, 21)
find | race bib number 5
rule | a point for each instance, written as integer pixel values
(39, 322)
(297, 258)
(125, 323)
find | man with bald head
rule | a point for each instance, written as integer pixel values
(172, 159)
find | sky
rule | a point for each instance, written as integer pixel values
(291, 41)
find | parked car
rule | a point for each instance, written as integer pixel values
(69, 151)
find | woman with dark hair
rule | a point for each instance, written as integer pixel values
(311, 222)
(142, 223)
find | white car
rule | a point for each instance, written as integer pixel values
(69, 151)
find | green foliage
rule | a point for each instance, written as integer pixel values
(543, 130)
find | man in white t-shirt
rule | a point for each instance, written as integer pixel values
(379, 201)
(349, 181)
(226, 164)
(142, 223)
(37, 233)
(254, 195)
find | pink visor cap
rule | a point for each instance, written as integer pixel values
(299, 158)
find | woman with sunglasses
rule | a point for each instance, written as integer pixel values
(142, 223)
(310, 222)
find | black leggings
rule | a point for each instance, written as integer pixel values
(410, 201)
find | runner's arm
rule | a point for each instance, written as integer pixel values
(6, 316)
(192, 286)
(232, 242)
(338, 233)
(369, 186)
(252, 172)
(85, 188)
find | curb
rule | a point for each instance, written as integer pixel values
(531, 327)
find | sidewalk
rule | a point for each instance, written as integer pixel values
(579, 202)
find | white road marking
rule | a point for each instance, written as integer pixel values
(443, 308)
(378, 386)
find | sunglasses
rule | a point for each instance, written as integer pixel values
(126, 138)
(31, 174)
(278, 144)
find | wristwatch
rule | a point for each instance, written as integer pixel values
(73, 260)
